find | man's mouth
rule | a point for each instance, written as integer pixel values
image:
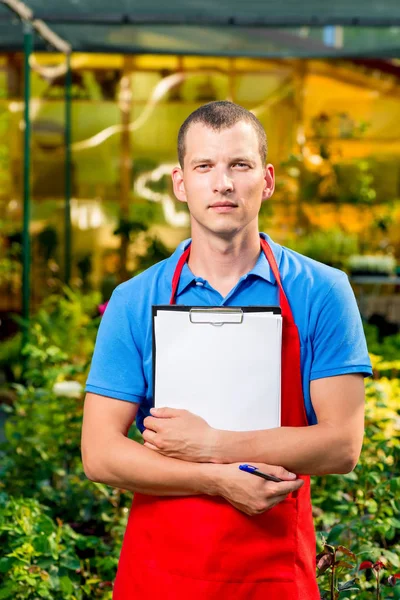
(223, 206)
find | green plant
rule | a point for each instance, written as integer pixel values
(66, 518)
(371, 264)
(155, 252)
(336, 561)
(44, 558)
(41, 459)
(361, 510)
(332, 247)
(60, 342)
(339, 570)
(11, 266)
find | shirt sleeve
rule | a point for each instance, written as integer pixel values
(338, 343)
(117, 366)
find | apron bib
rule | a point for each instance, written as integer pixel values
(201, 547)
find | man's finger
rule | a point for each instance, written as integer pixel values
(150, 446)
(166, 412)
(281, 472)
(149, 436)
(151, 423)
(285, 487)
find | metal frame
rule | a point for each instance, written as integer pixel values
(30, 26)
(199, 18)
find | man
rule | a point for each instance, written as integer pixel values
(199, 527)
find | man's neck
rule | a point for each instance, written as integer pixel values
(223, 262)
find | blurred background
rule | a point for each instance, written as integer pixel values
(334, 137)
(92, 96)
(332, 125)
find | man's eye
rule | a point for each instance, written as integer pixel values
(202, 167)
(240, 164)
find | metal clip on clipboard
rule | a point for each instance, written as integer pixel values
(230, 316)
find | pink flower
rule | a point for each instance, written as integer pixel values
(102, 307)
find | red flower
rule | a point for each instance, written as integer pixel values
(366, 564)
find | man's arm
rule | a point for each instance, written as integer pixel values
(331, 446)
(110, 457)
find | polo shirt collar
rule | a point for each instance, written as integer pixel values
(261, 268)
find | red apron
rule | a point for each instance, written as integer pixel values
(201, 547)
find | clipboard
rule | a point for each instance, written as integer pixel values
(221, 363)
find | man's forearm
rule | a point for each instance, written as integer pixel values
(126, 464)
(315, 450)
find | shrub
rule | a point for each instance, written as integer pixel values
(361, 510)
(43, 558)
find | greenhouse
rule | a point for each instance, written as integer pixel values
(91, 102)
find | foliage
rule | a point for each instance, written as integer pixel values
(360, 510)
(339, 561)
(332, 247)
(42, 459)
(128, 228)
(71, 528)
(43, 558)
(384, 351)
(360, 189)
(155, 252)
(10, 266)
(60, 533)
(60, 343)
(366, 264)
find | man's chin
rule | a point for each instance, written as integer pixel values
(224, 228)
(226, 231)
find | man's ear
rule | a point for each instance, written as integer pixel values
(178, 184)
(269, 182)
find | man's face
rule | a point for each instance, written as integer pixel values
(223, 179)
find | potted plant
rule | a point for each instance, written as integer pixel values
(371, 265)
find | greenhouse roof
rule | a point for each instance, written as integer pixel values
(259, 28)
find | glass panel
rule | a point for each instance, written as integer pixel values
(332, 137)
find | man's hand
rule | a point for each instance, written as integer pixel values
(253, 495)
(179, 434)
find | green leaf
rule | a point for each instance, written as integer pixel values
(7, 591)
(46, 525)
(70, 562)
(6, 564)
(42, 544)
(335, 534)
(66, 585)
(395, 484)
(348, 585)
(395, 522)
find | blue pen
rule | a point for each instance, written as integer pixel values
(255, 471)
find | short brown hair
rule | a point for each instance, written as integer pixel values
(221, 115)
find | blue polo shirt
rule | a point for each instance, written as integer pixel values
(322, 301)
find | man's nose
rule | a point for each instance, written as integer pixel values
(223, 183)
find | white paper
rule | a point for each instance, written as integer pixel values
(229, 374)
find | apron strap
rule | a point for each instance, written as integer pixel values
(283, 301)
(177, 275)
